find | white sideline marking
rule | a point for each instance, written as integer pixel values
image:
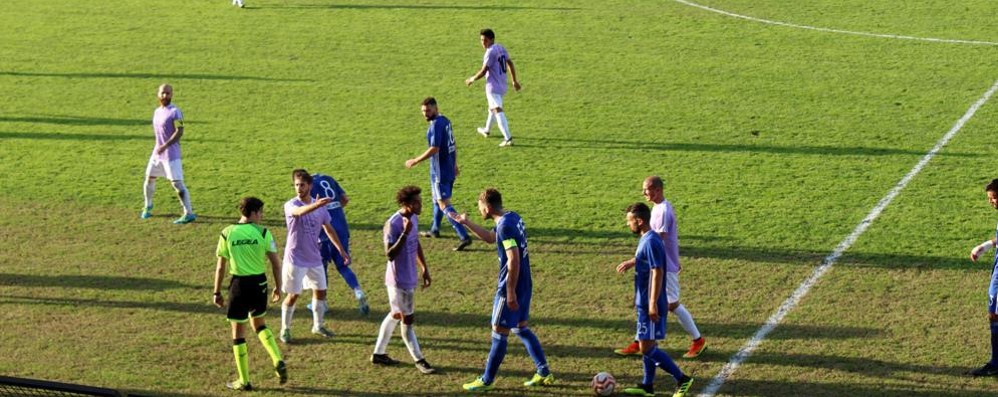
(791, 302)
(840, 31)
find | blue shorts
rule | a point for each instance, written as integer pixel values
(503, 317)
(329, 251)
(441, 189)
(650, 330)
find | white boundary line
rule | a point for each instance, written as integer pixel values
(791, 302)
(840, 31)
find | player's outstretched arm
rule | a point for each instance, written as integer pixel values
(981, 249)
(485, 235)
(275, 268)
(219, 275)
(318, 202)
(335, 238)
(429, 152)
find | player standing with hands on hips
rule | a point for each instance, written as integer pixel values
(991, 368)
(494, 67)
(247, 246)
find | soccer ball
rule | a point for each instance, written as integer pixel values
(604, 384)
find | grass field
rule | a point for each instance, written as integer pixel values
(774, 143)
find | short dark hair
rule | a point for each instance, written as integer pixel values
(992, 187)
(656, 181)
(249, 205)
(640, 210)
(430, 101)
(491, 197)
(488, 33)
(301, 174)
(407, 195)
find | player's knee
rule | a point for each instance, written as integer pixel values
(408, 320)
(673, 306)
(179, 186)
(258, 328)
(443, 204)
(397, 315)
(500, 330)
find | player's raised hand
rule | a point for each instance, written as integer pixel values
(322, 201)
(461, 218)
(217, 300)
(406, 225)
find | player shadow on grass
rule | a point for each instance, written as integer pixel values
(70, 136)
(92, 282)
(156, 76)
(74, 120)
(813, 258)
(603, 144)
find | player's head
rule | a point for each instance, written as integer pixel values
(409, 199)
(992, 190)
(251, 208)
(429, 108)
(487, 36)
(165, 94)
(490, 203)
(652, 189)
(303, 182)
(638, 217)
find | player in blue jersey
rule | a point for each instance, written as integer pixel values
(442, 153)
(651, 304)
(991, 368)
(325, 186)
(511, 303)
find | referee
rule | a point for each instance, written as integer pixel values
(246, 245)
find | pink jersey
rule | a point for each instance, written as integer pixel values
(303, 235)
(401, 272)
(663, 220)
(495, 60)
(165, 121)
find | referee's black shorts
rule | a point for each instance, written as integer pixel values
(247, 297)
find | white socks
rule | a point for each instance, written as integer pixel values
(318, 313)
(385, 334)
(409, 337)
(686, 321)
(286, 313)
(358, 293)
(488, 122)
(503, 125)
(183, 195)
(149, 188)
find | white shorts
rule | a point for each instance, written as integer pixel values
(173, 170)
(402, 300)
(495, 100)
(672, 287)
(297, 278)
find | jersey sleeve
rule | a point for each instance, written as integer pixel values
(490, 56)
(268, 238)
(391, 234)
(436, 136)
(506, 235)
(655, 254)
(178, 118)
(222, 250)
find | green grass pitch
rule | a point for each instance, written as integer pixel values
(774, 143)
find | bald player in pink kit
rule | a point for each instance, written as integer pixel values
(168, 126)
(495, 64)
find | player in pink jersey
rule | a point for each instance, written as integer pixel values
(168, 127)
(663, 222)
(495, 64)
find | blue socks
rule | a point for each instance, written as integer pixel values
(459, 228)
(994, 342)
(663, 361)
(437, 215)
(534, 349)
(348, 276)
(649, 370)
(496, 354)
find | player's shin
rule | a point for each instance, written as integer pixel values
(409, 337)
(648, 365)
(385, 334)
(504, 125)
(266, 337)
(242, 362)
(148, 189)
(686, 321)
(994, 342)
(534, 349)
(665, 362)
(496, 355)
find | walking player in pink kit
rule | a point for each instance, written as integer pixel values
(494, 66)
